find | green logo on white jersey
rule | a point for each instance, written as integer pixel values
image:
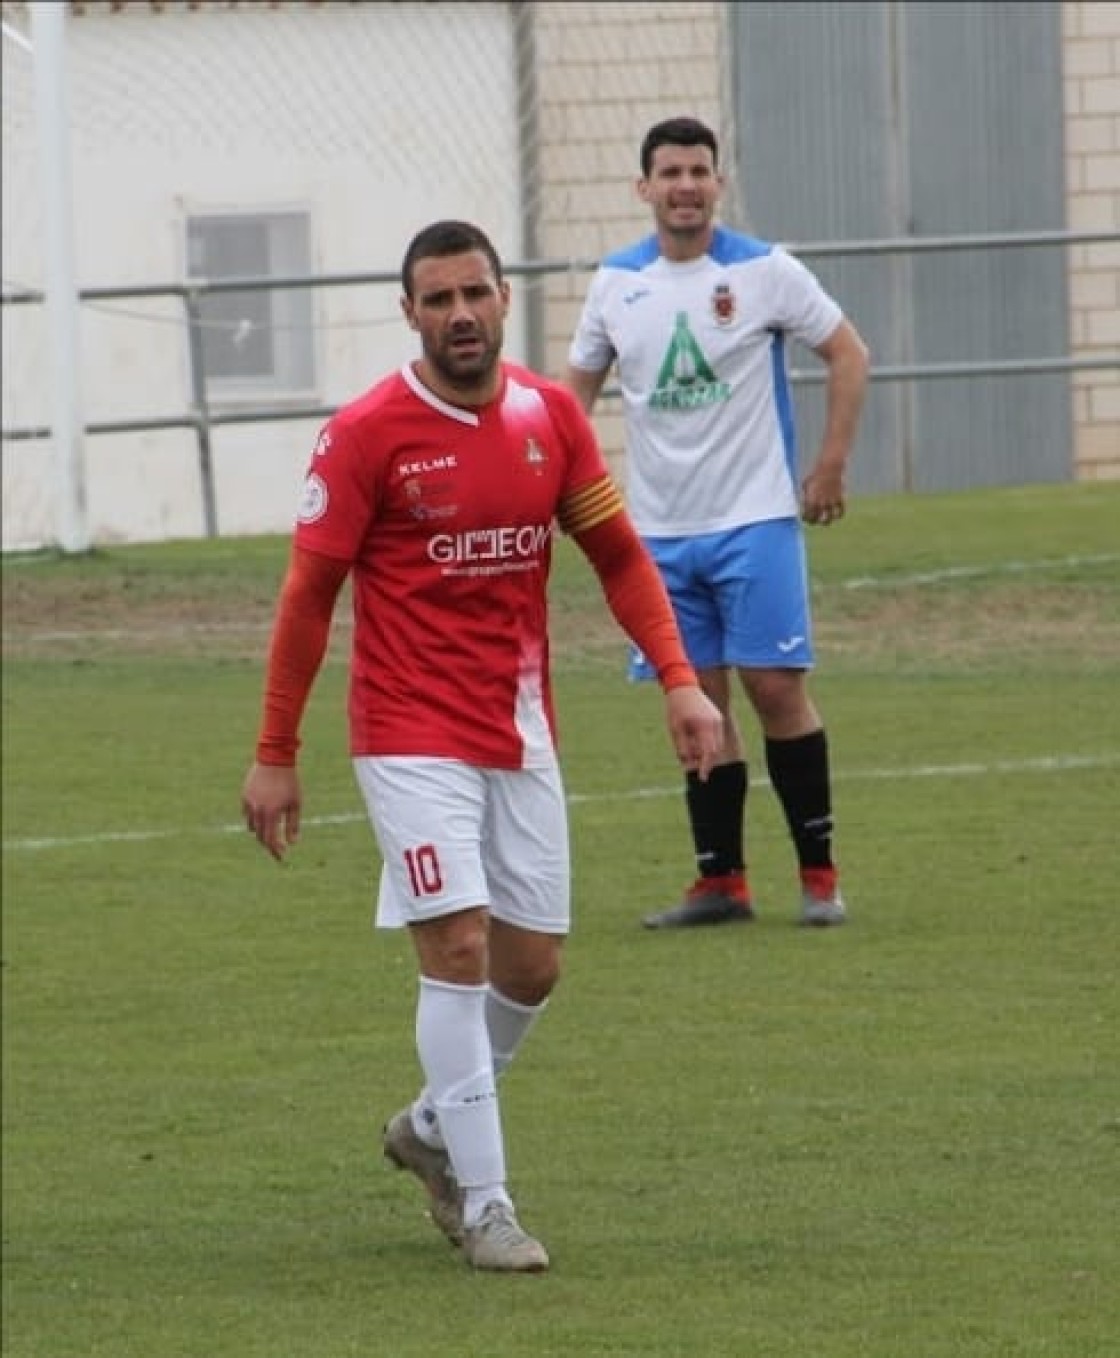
(686, 379)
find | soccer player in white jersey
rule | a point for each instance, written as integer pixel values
(697, 318)
(437, 492)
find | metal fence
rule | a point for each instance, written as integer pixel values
(202, 418)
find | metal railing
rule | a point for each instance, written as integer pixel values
(203, 420)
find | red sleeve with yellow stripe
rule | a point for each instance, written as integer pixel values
(299, 642)
(597, 520)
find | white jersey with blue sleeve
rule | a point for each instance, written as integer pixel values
(701, 354)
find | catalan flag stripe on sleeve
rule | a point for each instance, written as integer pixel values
(589, 506)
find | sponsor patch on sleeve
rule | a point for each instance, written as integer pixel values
(313, 502)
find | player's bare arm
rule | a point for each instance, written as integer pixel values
(846, 357)
(585, 384)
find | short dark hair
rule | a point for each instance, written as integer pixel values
(447, 238)
(677, 132)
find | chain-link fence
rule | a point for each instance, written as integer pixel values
(25, 343)
(217, 140)
(264, 139)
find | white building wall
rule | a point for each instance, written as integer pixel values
(375, 118)
(378, 118)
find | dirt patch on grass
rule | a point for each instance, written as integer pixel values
(62, 611)
(974, 625)
(93, 610)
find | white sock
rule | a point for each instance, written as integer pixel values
(454, 1049)
(508, 1024)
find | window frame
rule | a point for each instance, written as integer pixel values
(295, 366)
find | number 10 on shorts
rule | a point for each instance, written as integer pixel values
(424, 875)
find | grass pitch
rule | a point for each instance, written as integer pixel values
(895, 1140)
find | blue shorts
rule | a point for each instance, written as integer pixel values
(741, 597)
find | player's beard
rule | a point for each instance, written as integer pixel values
(468, 373)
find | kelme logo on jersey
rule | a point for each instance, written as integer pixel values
(686, 379)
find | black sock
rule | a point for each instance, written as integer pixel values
(715, 814)
(799, 773)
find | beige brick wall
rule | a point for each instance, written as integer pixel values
(1091, 70)
(607, 75)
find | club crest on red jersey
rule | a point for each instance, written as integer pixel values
(535, 456)
(723, 304)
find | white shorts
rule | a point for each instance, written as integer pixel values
(453, 836)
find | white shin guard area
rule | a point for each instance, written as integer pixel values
(454, 1048)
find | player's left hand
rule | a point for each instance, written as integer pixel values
(696, 729)
(822, 495)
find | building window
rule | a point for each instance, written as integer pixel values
(257, 341)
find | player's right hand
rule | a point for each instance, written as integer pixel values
(270, 803)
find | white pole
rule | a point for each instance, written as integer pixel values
(52, 118)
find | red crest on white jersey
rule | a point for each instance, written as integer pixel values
(723, 304)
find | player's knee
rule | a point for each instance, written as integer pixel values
(529, 975)
(454, 948)
(779, 697)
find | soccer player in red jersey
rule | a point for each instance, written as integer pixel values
(437, 492)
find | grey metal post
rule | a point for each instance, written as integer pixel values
(52, 116)
(901, 267)
(202, 412)
(529, 177)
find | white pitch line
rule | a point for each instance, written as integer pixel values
(176, 629)
(1044, 764)
(975, 572)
